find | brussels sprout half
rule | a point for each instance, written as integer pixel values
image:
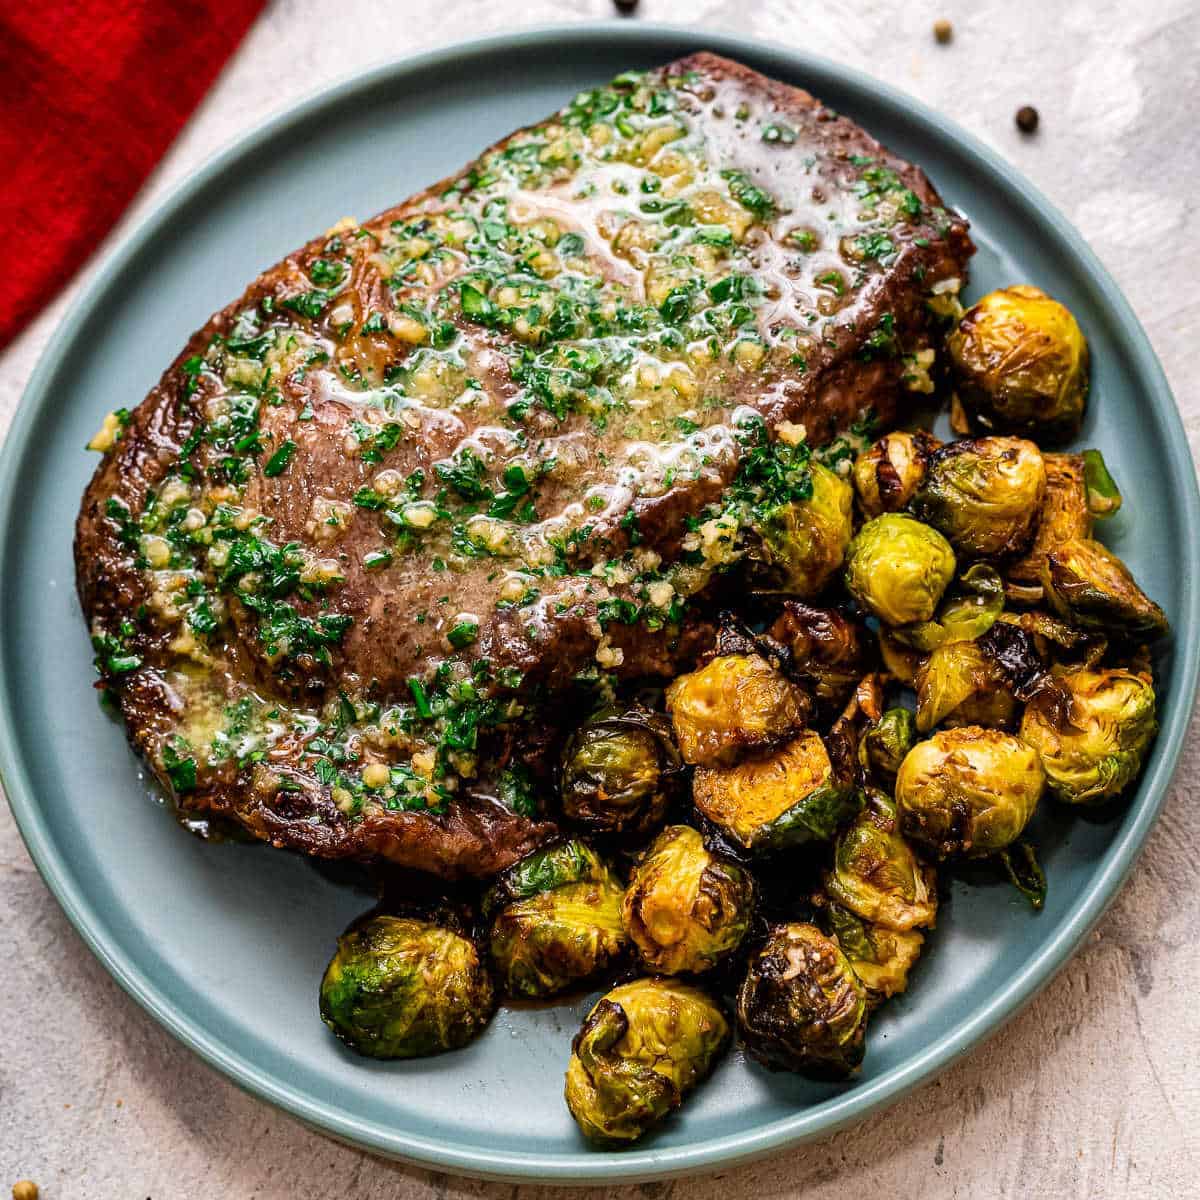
(801, 1007)
(619, 771)
(767, 804)
(898, 568)
(686, 908)
(984, 495)
(958, 684)
(556, 921)
(1021, 363)
(880, 957)
(887, 475)
(876, 874)
(1088, 585)
(803, 543)
(968, 791)
(1092, 731)
(399, 987)
(640, 1051)
(735, 703)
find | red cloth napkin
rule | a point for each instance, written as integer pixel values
(92, 92)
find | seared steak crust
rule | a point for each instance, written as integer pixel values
(345, 561)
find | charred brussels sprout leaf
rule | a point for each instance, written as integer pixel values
(1021, 363)
(1025, 873)
(1088, 585)
(887, 475)
(826, 649)
(399, 987)
(618, 772)
(984, 494)
(968, 791)
(899, 568)
(686, 908)
(641, 1050)
(885, 742)
(546, 938)
(901, 660)
(801, 1007)
(968, 612)
(880, 957)
(1091, 730)
(1103, 495)
(766, 804)
(876, 874)
(555, 866)
(735, 703)
(803, 542)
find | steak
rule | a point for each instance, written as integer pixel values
(395, 517)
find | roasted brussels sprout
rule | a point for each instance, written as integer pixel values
(641, 1050)
(803, 543)
(885, 742)
(879, 956)
(1088, 585)
(765, 804)
(1021, 363)
(619, 771)
(556, 920)
(736, 703)
(686, 908)
(827, 650)
(984, 494)
(968, 791)
(1064, 515)
(887, 475)
(801, 1006)
(899, 568)
(876, 874)
(958, 684)
(399, 987)
(1092, 730)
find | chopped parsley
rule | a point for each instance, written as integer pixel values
(277, 463)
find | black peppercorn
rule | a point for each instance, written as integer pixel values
(1027, 118)
(625, 6)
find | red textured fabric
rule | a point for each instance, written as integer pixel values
(92, 92)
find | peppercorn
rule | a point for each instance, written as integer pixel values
(625, 6)
(943, 31)
(25, 1189)
(1027, 118)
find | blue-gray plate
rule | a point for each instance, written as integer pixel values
(224, 944)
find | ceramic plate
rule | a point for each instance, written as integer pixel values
(224, 944)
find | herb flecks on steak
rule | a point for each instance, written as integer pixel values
(432, 472)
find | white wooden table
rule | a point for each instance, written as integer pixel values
(1093, 1092)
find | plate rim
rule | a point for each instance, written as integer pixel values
(589, 1166)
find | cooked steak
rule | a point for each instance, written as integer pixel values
(351, 563)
